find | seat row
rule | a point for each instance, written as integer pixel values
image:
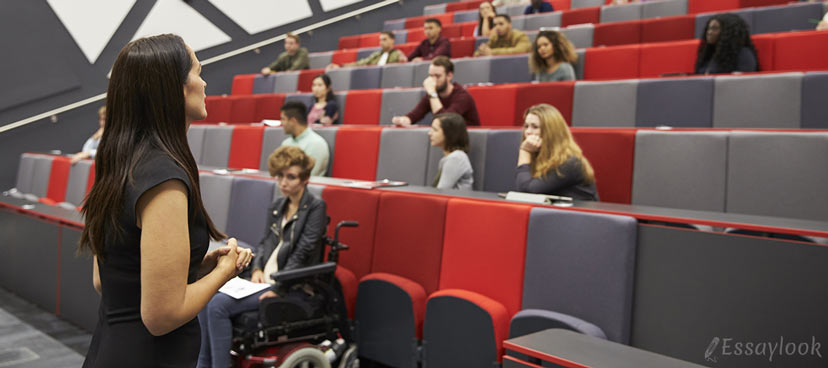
(436, 270)
(760, 100)
(694, 6)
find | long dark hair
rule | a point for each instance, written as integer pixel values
(454, 132)
(144, 111)
(480, 19)
(734, 35)
(327, 80)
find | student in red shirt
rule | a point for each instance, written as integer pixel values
(434, 45)
(442, 96)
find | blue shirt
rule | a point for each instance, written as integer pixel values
(544, 8)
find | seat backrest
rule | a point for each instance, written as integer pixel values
(396, 102)
(773, 101)
(509, 69)
(243, 109)
(218, 109)
(403, 155)
(25, 173)
(247, 215)
(591, 14)
(272, 138)
(778, 174)
(215, 193)
(502, 147)
(786, 18)
(686, 170)
(668, 57)
(329, 135)
(435, 9)
(306, 98)
(363, 107)
(581, 36)
(268, 106)
(77, 183)
(620, 13)
(397, 75)
(604, 103)
(615, 62)
(246, 147)
(582, 264)
(537, 21)
(681, 27)
(342, 57)
(680, 102)
(471, 70)
(557, 94)
(305, 79)
(465, 16)
(58, 178)
(319, 60)
(348, 42)
(216, 151)
(366, 77)
(265, 83)
(479, 255)
(242, 84)
(409, 237)
(702, 19)
(363, 53)
(664, 8)
(356, 152)
(286, 82)
(814, 108)
(801, 51)
(611, 153)
(477, 158)
(340, 78)
(195, 139)
(495, 104)
(350, 204)
(369, 40)
(421, 73)
(578, 4)
(617, 33)
(393, 24)
(40, 175)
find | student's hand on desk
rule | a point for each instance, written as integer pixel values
(266, 70)
(416, 59)
(484, 50)
(401, 121)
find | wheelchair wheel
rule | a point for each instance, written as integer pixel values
(349, 358)
(308, 357)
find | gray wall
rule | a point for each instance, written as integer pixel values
(42, 67)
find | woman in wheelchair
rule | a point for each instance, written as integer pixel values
(293, 239)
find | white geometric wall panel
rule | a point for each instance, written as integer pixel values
(255, 16)
(175, 16)
(91, 22)
(328, 5)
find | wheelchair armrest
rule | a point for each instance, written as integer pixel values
(532, 320)
(322, 268)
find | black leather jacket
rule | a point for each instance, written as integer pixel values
(303, 241)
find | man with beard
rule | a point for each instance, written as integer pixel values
(442, 96)
(434, 45)
(506, 40)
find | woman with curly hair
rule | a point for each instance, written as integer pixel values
(552, 57)
(550, 162)
(726, 47)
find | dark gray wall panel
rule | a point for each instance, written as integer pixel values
(79, 300)
(34, 261)
(692, 287)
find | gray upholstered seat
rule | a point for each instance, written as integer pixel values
(394, 24)
(685, 170)
(286, 82)
(397, 102)
(580, 35)
(319, 60)
(216, 151)
(265, 83)
(340, 78)
(195, 139)
(403, 155)
(684, 102)
(786, 18)
(366, 77)
(77, 182)
(25, 173)
(465, 16)
(620, 13)
(40, 175)
(472, 70)
(215, 193)
(501, 160)
(577, 4)
(607, 104)
(329, 134)
(814, 108)
(397, 75)
(247, 214)
(271, 140)
(664, 8)
(509, 69)
(773, 101)
(543, 20)
(434, 9)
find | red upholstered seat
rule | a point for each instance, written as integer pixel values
(580, 16)
(765, 47)
(702, 6)
(369, 40)
(801, 51)
(242, 109)
(218, 109)
(617, 33)
(343, 56)
(417, 22)
(355, 154)
(363, 107)
(495, 104)
(618, 62)
(560, 4)
(558, 94)
(407, 47)
(91, 180)
(306, 78)
(409, 237)
(462, 47)
(452, 30)
(467, 29)
(268, 106)
(349, 42)
(350, 204)
(246, 147)
(349, 285)
(668, 57)
(611, 153)
(58, 178)
(415, 35)
(243, 84)
(681, 27)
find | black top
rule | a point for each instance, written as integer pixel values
(746, 63)
(570, 183)
(120, 338)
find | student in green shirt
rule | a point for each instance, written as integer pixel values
(299, 134)
(387, 54)
(294, 57)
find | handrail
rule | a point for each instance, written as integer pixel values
(209, 61)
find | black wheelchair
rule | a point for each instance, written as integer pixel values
(307, 326)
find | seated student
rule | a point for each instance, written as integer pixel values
(550, 162)
(726, 46)
(324, 110)
(823, 24)
(537, 7)
(90, 147)
(299, 134)
(294, 57)
(552, 57)
(387, 54)
(448, 132)
(442, 95)
(293, 239)
(485, 20)
(506, 40)
(434, 45)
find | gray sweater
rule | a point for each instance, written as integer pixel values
(565, 72)
(455, 171)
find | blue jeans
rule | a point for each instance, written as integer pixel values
(217, 329)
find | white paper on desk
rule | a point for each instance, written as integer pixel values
(239, 288)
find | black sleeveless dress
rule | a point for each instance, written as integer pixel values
(120, 338)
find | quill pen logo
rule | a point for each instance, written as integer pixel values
(708, 354)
